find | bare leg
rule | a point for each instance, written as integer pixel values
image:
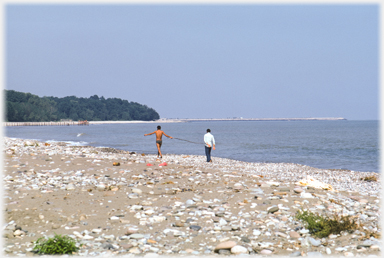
(158, 150)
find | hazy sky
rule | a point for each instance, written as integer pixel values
(200, 60)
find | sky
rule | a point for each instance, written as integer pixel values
(212, 60)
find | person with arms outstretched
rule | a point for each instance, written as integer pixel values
(159, 135)
(209, 141)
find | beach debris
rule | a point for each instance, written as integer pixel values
(312, 182)
(149, 164)
(116, 163)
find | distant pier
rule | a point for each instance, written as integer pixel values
(61, 123)
(251, 119)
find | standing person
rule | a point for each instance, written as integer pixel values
(159, 135)
(209, 141)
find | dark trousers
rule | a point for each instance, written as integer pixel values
(208, 153)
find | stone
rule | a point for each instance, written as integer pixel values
(222, 222)
(114, 218)
(126, 245)
(97, 230)
(133, 196)
(298, 190)
(55, 226)
(100, 187)
(137, 191)
(70, 187)
(226, 228)
(135, 250)
(314, 254)
(284, 189)
(136, 236)
(306, 195)
(179, 224)
(225, 245)
(295, 254)
(195, 227)
(266, 251)
(280, 234)
(18, 233)
(294, 234)
(273, 183)
(355, 198)
(87, 237)
(189, 202)
(224, 252)
(108, 246)
(238, 249)
(314, 242)
(375, 247)
(273, 209)
(238, 186)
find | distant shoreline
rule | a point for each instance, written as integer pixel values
(171, 120)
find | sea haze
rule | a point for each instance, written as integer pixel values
(350, 145)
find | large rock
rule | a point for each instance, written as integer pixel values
(225, 245)
(238, 249)
(294, 234)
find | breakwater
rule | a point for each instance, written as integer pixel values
(61, 123)
(250, 119)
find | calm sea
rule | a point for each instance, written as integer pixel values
(352, 145)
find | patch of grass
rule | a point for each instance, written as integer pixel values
(369, 178)
(56, 245)
(323, 226)
(368, 234)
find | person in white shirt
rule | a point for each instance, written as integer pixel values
(209, 141)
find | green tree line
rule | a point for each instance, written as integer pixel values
(26, 107)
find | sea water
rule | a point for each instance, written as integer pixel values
(349, 145)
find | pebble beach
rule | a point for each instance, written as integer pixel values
(121, 203)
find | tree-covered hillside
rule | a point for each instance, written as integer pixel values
(26, 107)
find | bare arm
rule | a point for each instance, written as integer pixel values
(149, 133)
(168, 136)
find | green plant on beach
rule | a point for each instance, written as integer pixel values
(369, 178)
(323, 226)
(56, 245)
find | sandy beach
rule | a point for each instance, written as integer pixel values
(121, 203)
